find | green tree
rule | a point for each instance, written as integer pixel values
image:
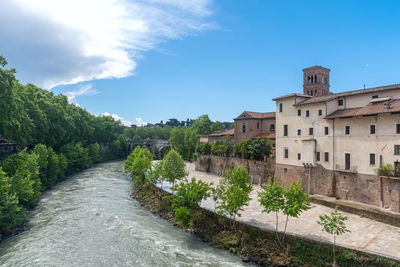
(272, 200)
(11, 213)
(202, 125)
(235, 192)
(137, 163)
(296, 202)
(334, 225)
(173, 167)
(187, 198)
(23, 172)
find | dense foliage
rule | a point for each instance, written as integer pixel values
(173, 167)
(138, 163)
(255, 149)
(187, 198)
(184, 140)
(58, 139)
(235, 190)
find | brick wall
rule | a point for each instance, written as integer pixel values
(345, 185)
(259, 171)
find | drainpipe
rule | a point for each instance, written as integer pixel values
(309, 180)
(333, 157)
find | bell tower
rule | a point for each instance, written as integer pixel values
(316, 81)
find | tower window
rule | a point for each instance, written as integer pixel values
(315, 78)
(280, 107)
(323, 80)
(340, 102)
(398, 128)
(258, 125)
(320, 112)
(347, 130)
(326, 156)
(244, 128)
(298, 156)
(298, 132)
(308, 80)
(307, 113)
(318, 156)
(316, 93)
(326, 130)
(285, 130)
(312, 79)
(310, 131)
(299, 112)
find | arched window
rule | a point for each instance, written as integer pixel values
(312, 79)
(315, 78)
(308, 80)
(272, 128)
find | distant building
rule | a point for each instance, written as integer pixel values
(212, 138)
(255, 124)
(203, 138)
(334, 143)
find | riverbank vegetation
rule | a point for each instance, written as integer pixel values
(252, 243)
(56, 138)
(221, 230)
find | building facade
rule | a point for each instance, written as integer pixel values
(334, 143)
(254, 125)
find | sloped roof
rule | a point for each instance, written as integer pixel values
(229, 132)
(330, 97)
(255, 115)
(372, 108)
(266, 135)
(292, 95)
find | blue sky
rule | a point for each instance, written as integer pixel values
(217, 58)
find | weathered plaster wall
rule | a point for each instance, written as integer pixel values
(259, 171)
(358, 187)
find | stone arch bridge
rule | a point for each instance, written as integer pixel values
(155, 146)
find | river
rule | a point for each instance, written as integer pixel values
(91, 220)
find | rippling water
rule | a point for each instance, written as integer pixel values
(90, 220)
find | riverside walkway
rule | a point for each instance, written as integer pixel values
(366, 235)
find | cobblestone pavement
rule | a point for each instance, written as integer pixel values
(366, 234)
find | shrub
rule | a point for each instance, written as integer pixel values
(386, 170)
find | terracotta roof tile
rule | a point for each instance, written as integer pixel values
(292, 95)
(266, 135)
(330, 97)
(229, 132)
(370, 109)
(255, 115)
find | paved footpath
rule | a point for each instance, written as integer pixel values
(366, 234)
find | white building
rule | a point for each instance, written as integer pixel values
(334, 143)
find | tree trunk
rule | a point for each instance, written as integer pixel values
(334, 256)
(284, 231)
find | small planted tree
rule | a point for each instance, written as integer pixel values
(235, 193)
(296, 202)
(173, 167)
(334, 225)
(291, 202)
(272, 199)
(187, 198)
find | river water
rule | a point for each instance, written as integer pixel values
(91, 220)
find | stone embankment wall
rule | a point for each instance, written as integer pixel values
(259, 171)
(369, 189)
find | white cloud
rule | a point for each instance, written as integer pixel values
(69, 41)
(83, 90)
(140, 122)
(118, 118)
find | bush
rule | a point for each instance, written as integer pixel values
(386, 170)
(255, 149)
(187, 198)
